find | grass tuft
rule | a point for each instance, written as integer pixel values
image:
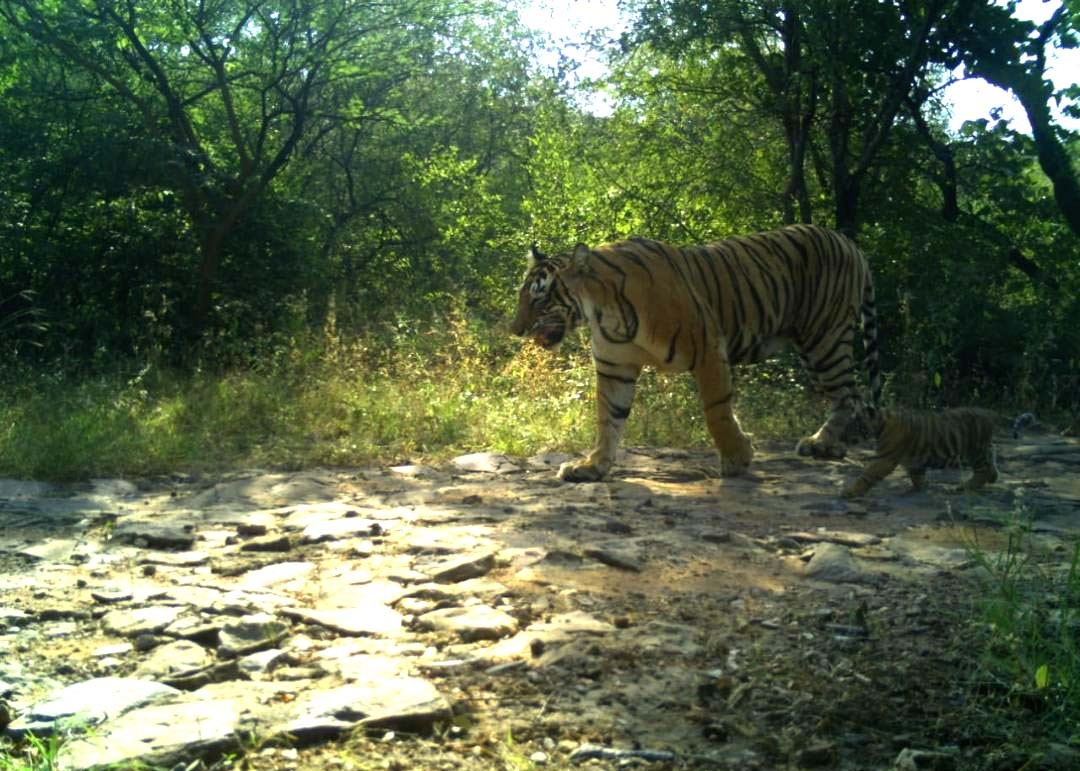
(34, 753)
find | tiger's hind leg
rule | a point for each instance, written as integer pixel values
(832, 369)
(615, 386)
(984, 471)
(717, 392)
(918, 479)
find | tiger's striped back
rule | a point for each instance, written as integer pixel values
(802, 282)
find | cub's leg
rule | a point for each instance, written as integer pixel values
(875, 471)
(985, 471)
(918, 478)
(614, 397)
(717, 391)
(831, 367)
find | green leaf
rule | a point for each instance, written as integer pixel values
(1042, 677)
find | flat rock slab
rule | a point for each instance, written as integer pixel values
(111, 596)
(476, 622)
(278, 573)
(249, 634)
(370, 619)
(263, 491)
(623, 559)
(173, 660)
(155, 535)
(574, 622)
(384, 702)
(483, 587)
(835, 536)
(305, 515)
(416, 471)
(336, 529)
(460, 568)
(529, 643)
(931, 554)
(132, 622)
(184, 559)
(279, 542)
(485, 462)
(88, 703)
(162, 735)
(51, 549)
(832, 562)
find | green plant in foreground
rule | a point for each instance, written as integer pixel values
(512, 758)
(34, 753)
(1031, 613)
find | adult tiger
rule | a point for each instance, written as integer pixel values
(920, 440)
(702, 309)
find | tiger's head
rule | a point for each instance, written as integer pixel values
(546, 309)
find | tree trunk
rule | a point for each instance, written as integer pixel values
(210, 252)
(1053, 158)
(1027, 81)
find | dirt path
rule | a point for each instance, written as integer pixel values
(483, 615)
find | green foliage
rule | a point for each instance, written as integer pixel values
(196, 167)
(34, 753)
(433, 392)
(1031, 618)
(190, 188)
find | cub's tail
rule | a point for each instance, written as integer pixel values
(1022, 421)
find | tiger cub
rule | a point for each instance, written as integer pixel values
(919, 440)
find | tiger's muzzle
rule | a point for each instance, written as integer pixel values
(547, 333)
(549, 336)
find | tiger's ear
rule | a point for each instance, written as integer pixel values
(535, 256)
(581, 254)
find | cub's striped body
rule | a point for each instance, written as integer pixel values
(702, 309)
(918, 440)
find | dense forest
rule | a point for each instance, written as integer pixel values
(192, 184)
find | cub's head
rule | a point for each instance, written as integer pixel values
(546, 309)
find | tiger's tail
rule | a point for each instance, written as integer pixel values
(871, 351)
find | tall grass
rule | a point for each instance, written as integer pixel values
(420, 394)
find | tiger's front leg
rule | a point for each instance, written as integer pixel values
(717, 392)
(875, 471)
(614, 396)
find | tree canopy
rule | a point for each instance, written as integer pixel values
(182, 178)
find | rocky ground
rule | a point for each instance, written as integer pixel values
(482, 615)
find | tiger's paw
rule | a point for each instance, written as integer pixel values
(580, 471)
(735, 463)
(821, 449)
(853, 490)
